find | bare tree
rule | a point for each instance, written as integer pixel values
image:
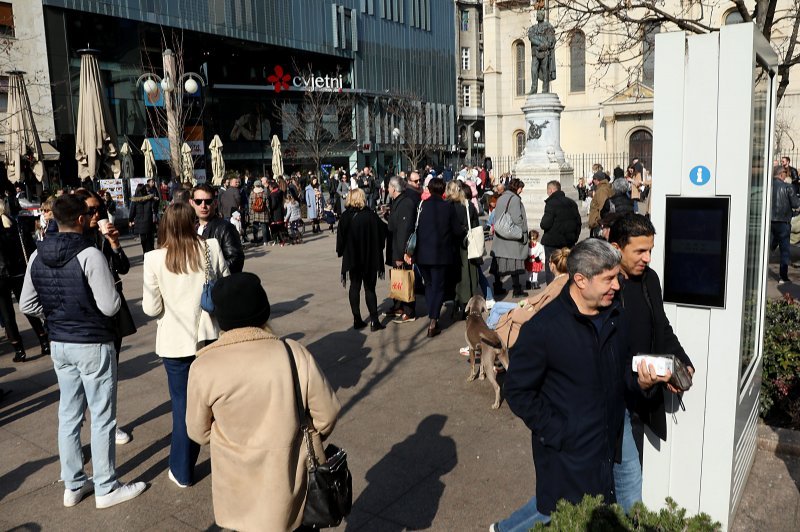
(418, 134)
(320, 124)
(171, 119)
(633, 23)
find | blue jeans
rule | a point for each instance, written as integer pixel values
(87, 375)
(498, 311)
(483, 282)
(183, 451)
(780, 232)
(523, 519)
(628, 473)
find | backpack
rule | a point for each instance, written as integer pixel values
(258, 203)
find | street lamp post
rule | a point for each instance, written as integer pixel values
(173, 101)
(396, 138)
(477, 135)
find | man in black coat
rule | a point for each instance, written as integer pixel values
(561, 223)
(566, 380)
(212, 226)
(402, 218)
(649, 332)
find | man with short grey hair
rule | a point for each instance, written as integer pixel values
(402, 219)
(566, 380)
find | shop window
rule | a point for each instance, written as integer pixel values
(6, 20)
(577, 62)
(519, 55)
(519, 143)
(465, 59)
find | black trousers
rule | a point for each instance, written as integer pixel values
(9, 285)
(434, 277)
(369, 281)
(148, 241)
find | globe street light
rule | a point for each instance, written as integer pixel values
(190, 83)
(477, 136)
(396, 138)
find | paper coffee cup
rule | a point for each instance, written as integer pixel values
(103, 225)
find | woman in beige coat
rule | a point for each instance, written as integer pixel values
(174, 276)
(241, 401)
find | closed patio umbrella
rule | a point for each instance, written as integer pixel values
(277, 157)
(126, 160)
(21, 137)
(187, 164)
(217, 162)
(149, 159)
(96, 138)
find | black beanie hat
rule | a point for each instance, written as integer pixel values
(240, 301)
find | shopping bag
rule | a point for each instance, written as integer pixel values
(401, 285)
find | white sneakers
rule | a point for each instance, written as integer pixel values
(121, 437)
(175, 480)
(120, 493)
(489, 304)
(73, 497)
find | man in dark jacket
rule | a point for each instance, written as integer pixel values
(561, 223)
(566, 380)
(784, 203)
(212, 226)
(230, 200)
(402, 219)
(68, 280)
(649, 331)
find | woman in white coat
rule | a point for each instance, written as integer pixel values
(174, 276)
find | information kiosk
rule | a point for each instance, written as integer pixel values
(712, 165)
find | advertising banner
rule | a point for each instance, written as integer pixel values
(116, 188)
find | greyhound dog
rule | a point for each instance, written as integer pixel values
(481, 337)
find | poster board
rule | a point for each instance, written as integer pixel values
(116, 188)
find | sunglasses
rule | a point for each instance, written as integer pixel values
(203, 201)
(414, 180)
(45, 210)
(91, 211)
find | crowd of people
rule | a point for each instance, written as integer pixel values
(569, 378)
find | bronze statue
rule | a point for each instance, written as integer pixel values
(543, 62)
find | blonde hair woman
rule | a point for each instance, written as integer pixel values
(464, 273)
(359, 243)
(174, 276)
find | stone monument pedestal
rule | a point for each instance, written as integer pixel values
(543, 159)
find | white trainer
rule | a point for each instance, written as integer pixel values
(120, 493)
(121, 437)
(73, 497)
(175, 480)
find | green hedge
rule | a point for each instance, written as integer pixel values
(780, 383)
(592, 515)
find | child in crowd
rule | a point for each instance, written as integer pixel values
(293, 219)
(330, 215)
(535, 261)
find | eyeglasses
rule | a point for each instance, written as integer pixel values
(413, 180)
(91, 211)
(209, 201)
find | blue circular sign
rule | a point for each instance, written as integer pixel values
(700, 175)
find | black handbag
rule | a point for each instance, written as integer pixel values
(329, 494)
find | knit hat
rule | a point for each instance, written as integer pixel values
(240, 301)
(258, 184)
(600, 176)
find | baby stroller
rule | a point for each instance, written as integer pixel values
(295, 235)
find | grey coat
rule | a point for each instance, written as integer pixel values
(510, 249)
(342, 190)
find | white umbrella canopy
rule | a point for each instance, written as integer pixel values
(277, 157)
(22, 139)
(126, 161)
(149, 159)
(217, 162)
(96, 138)
(187, 164)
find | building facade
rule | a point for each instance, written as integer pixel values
(608, 101)
(469, 89)
(261, 60)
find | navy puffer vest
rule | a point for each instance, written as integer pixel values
(64, 292)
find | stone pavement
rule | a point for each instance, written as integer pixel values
(426, 450)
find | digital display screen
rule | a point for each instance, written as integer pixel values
(696, 251)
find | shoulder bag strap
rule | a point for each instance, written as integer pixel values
(22, 244)
(469, 222)
(302, 418)
(208, 261)
(419, 210)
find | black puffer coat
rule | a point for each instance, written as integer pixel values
(143, 209)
